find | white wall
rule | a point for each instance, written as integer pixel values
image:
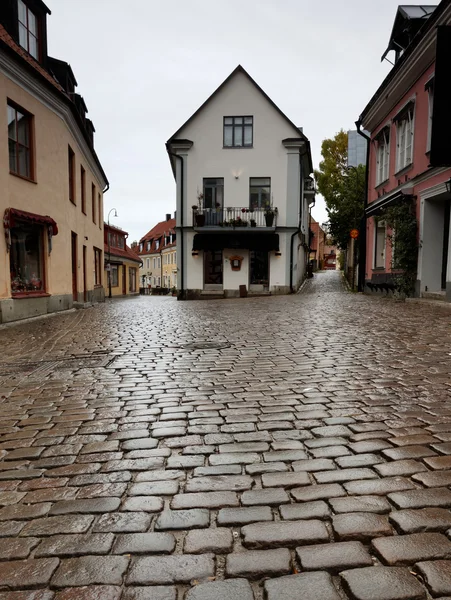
(208, 158)
(233, 279)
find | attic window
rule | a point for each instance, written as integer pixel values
(28, 30)
(238, 132)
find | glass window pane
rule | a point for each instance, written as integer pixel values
(32, 26)
(11, 123)
(248, 135)
(25, 259)
(238, 120)
(24, 161)
(23, 129)
(22, 12)
(23, 36)
(238, 136)
(260, 181)
(228, 121)
(228, 140)
(248, 120)
(12, 156)
(254, 198)
(33, 46)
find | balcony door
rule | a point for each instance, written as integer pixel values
(213, 200)
(213, 269)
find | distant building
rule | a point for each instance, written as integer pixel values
(124, 263)
(240, 166)
(357, 149)
(158, 252)
(51, 180)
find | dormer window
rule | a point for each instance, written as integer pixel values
(157, 245)
(238, 132)
(28, 30)
(148, 246)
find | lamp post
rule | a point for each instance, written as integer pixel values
(109, 251)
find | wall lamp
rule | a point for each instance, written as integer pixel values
(278, 253)
(194, 253)
(448, 185)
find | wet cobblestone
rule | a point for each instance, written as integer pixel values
(313, 441)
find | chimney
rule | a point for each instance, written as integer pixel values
(168, 216)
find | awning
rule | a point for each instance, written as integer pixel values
(375, 207)
(12, 215)
(266, 242)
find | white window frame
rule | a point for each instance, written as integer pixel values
(383, 156)
(157, 245)
(430, 111)
(148, 246)
(404, 140)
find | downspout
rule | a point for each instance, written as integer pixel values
(362, 237)
(298, 230)
(181, 294)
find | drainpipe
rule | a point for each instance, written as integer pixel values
(298, 230)
(181, 295)
(362, 237)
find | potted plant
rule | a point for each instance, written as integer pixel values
(199, 217)
(270, 213)
(253, 223)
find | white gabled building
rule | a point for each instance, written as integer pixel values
(243, 192)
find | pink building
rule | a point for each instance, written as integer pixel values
(410, 149)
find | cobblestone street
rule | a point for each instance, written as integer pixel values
(279, 448)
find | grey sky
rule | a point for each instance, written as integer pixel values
(144, 66)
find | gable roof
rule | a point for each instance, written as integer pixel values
(239, 69)
(156, 233)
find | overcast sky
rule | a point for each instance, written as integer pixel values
(144, 66)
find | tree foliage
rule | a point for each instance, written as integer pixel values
(343, 188)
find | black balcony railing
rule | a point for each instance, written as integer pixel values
(234, 217)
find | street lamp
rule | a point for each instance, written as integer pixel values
(109, 251)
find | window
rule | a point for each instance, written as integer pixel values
(157, 244)
(383, 155)
(120, 242)
(213, 193)
(260, 192)
(71, 167)
(28, 30)
(19, 141)
(141, 247)
(404, 134)
(158, 263)
(379, 245)
(27, 258)
(131, 279)
(99, 205)
(158, 282)
(154, 263)
(430, 110)
(148, 263)
(148, 246)
(114, 276)
(175, 257)
(93, 196)
(238, 132)
(83, 189)
(97, 266)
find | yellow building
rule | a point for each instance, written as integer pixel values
(52, 183)
(154, 271)
(121, 263)
(169, 261)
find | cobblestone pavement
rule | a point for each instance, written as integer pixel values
(281, 448)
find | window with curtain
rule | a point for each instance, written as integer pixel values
(28, 30)
(238, 132)
(26, 258)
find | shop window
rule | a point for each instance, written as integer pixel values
(27, 259)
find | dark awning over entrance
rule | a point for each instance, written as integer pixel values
(266, 242)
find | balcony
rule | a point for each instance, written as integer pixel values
(235, 217)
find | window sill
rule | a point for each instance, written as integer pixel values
(98, 285)
(382, 183)
(379, 269)
(404, 170)
(29, 179)
(237, 147)
(21, 295)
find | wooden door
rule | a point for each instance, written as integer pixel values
(85, 287)
(213, 269)
(74, 267)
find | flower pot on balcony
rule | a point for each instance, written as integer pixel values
(269, 219)
(253, 223)
(200, 220)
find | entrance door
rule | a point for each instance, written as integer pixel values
(85, 291)
(124, 280)
(259, 271)
(213, 269)
(74, 267)
(447, 212)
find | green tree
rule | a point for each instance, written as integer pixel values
(343, 188)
